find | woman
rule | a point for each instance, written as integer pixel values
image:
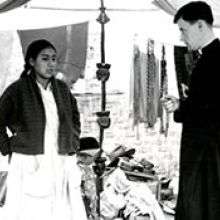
(42, 115)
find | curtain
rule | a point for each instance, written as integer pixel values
(71, 44)
(7, 5)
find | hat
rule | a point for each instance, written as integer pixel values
(88, 143)
(88, 146)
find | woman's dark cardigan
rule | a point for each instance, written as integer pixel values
(22, 111)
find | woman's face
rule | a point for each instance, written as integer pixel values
(45, 64)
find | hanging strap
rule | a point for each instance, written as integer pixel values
(164, 92)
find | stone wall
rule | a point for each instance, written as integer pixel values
(148, 142)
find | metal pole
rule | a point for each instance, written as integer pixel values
(103, 116)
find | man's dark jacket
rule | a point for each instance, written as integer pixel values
(199, 185)
(22, 111)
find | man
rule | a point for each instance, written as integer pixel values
(199, 113)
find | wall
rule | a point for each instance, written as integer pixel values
(149, 143)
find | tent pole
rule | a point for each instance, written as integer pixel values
(103, 118)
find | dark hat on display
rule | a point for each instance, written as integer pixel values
(88, 143)
(88, 146)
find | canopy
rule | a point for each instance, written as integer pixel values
(127, 17)
(49, 13)
(131, 16)
(150, 17)
(6, 5)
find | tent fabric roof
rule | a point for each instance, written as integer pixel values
(144, 16)
(45, 13)
(26, 19)
(93, 4)
(6, 5)
(169, 6)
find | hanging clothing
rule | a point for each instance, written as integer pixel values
(138, 86)
(136, 74)
(164, 116)
(144, 89)
(152, 85)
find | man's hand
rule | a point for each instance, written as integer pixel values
(185, 90)
(170, 103)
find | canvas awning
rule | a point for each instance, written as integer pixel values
(6, 5)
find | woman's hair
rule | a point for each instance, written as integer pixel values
(33, 51)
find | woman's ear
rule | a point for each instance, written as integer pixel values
(31, 62)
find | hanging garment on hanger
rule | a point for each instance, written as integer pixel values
(164, 116)
(138, 86)
(144, 86)
(152, 85)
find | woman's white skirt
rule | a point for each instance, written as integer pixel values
(44, 187)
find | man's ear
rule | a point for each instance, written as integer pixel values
(200, 24)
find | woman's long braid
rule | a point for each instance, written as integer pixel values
(27, 68)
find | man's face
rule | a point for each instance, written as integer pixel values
(190, 34)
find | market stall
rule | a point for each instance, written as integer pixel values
(116, 58)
